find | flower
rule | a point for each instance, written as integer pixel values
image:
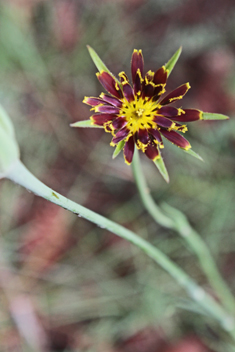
(138, 115)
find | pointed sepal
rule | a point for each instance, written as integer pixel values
(83, 124)
(171, 63)
(118, 149)
(97, 60)
(162, 168)
(212, 116)
(191, 152)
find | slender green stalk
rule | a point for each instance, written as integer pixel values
(146, 198)
(178, 222)
(21, 175)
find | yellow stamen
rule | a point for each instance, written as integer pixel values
(124, 77)
(139, 74)
(172, 127)
(141, 146)
(181, 111)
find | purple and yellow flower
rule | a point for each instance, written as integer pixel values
(137, 114)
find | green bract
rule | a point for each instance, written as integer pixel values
(9, 150)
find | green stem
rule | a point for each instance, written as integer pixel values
(178, 222)
(21, 175)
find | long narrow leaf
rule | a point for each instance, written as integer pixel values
(118, 149)
(86, 123)
(212, 116)
(171, 63)
(162, 168)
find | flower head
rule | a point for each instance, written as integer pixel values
(137, 114)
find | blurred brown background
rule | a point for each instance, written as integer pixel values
(66, 285)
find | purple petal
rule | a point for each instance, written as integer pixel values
(119, 122)
(143, 136)
(137, 63)
(176, 138)
(188, 115)
(176, 94)
(152, 151)
(137, 84)
(109, 83)
(160, 76)
(129, 150)
(120, 135)
(111, 100)
(92, 101)
(156, 134)
(100, 119)
(167, 111)
(163, 121)
(108, 109)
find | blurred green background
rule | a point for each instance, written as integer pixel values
(79, 287)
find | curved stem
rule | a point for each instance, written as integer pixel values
(21, 175)
(177, 221)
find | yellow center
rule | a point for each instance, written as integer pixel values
(139, 114)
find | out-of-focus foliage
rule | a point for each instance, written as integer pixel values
(84, 289)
